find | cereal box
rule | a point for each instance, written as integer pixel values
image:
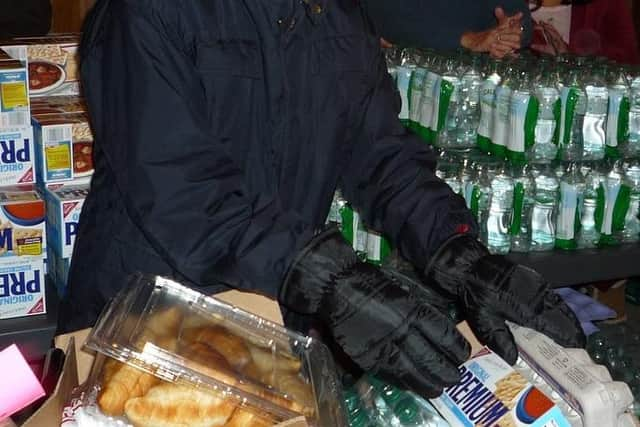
(22, 288)
(51, 61)
(58, 105)
(14, 95)
(64, 205)
(492, 393)
(22, 222)
(63, 147)
(16, 156)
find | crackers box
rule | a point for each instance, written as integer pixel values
(63, 147)
(22, 290)
(22, 222)
(14, 95)
(64, 205)
(51, 61)
(17, 156)
(58, 105)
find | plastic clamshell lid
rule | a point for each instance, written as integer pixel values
(182, 336)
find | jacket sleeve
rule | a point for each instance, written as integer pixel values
(390, 178)
(439, 24)
(179, 185)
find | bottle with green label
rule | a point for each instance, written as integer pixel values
(569, 207)
(614, 197)
(500, 131)
(595, 118)
(500, 213)
(523, 192)
(523, 117)
(633, 147)
(448, 170)
(404, 72)
(631, 232)
(416, 85)
(618, 114)
(572, 111)
(481, 199)
(594, 176)
(547, 132)
(353, 230)
(488, 104)
(543, 212)
(430, 93)
(447, 110)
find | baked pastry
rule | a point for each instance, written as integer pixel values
(120, 383)
(173, 405)
(245, 418)
(165, 322)
(232, 347)
(267, 361)
(202, 358)
(294, 387)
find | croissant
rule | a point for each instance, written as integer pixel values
(245, 418)
(173, 405)
(267, 361)
(165, 322)
(233, 348)
(120, 383)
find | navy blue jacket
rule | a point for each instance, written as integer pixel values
(440, 24)
(222, 129)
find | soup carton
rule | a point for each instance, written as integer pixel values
(51, 61)
(63, 147)
(16, 156)
(22, 222)
(14, 94)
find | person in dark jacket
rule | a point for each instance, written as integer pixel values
(24, 18)
(448, 25)
(222, 130)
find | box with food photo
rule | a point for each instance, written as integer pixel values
(14, 94)
(51, 62)
(63, 147)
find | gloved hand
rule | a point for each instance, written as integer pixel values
(490, 289)
(384, 324)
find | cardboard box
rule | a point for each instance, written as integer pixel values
(64, 205)
(58, 270)
(22, 287)
(58, 105)
(22, 222)
(78, 362)
(63, 147)
(51, 61)
(16, 156)
(14, 95)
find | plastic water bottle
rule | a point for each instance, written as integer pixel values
(633, 147)
(543, 215)
(488, 105)
(448, 110)
(500, 213)
(631, 232)
(416, 85)
(469, 115)
(430, 97)
(523, 191)
(618, 114)
(337, 204)
(500, 133)
(614, 197)
(595, 119)
(568, 220)
(573, 109)
(589, 234)
(353, 230)
(403, 80)
(523, 115)
(547, 130)
(481, 199)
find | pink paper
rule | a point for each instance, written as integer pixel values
(19, 387)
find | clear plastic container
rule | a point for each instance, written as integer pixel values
(175, 353)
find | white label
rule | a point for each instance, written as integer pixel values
(417, 84)
(567, 211)
(427, 101)
(615, 100)
(487, 105)
(517, 117)
(610, 197)
(404, 78)
(374, 247)
(436, 104)
(501, 116)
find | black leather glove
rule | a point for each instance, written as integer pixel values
(490, 289)
(383, 323)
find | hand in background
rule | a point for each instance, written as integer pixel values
(499, 41)
(554, 42)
